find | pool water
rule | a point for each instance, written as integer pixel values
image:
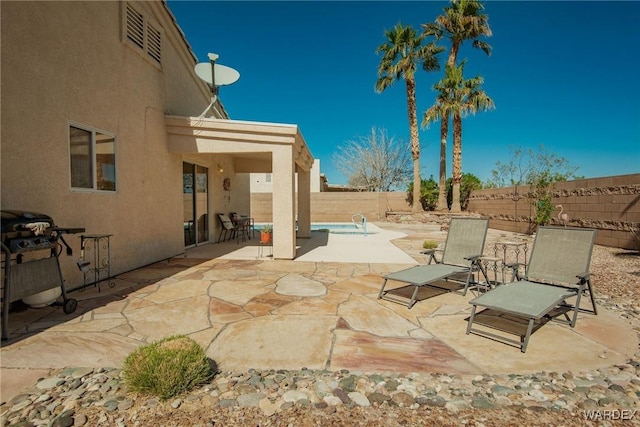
(338, 228)
(335, 227)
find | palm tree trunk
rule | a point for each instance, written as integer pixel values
(457, 141)
(442, 183)
(453, 53)
(415, 143)
(457, 163)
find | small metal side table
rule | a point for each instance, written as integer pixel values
(96, 253)
(263, 244)
(510, 251)
(262, 247)
(488, 264)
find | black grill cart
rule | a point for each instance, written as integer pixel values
(35, 233)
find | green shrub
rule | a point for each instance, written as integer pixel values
(167, 367)
(544, 209)
(429, 244)
(428, 194)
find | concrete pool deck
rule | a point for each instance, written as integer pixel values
(374, 247)
(274, 314)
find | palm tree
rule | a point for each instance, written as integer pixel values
(461, 21)
(464, 97)
(401, 54)
(441, 110)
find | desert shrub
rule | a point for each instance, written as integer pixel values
(544, 209)
(167, 367)
(429, 244)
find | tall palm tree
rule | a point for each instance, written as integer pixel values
(441, 110)
(465, 97)
(462, 20)
(401, 54)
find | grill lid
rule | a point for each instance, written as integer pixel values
(13, 222)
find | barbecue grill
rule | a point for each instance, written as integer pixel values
(31, 232)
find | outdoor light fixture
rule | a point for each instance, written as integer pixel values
(220, 169)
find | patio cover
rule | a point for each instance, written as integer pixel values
(273, 148)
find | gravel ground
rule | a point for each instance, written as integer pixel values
(616, 274)
(381, 416)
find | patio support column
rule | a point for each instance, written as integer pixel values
(304, 203)
(284, 232)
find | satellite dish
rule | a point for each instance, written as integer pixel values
(215, 75)
(223, 75)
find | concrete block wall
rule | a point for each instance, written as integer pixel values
(609, 204)
(338, 207)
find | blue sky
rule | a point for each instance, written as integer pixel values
(564, 74)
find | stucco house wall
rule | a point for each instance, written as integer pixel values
(67, 62)
(263, 182)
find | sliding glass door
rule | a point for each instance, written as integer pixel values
(195, 190)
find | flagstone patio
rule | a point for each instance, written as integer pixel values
(263, 313)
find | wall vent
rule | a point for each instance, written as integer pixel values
(142, 34)
(135, 27)
(154, 43)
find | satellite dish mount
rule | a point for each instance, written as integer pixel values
(212, 61)
(215, 75)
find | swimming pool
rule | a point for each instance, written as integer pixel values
(340, 228)
(334, 227)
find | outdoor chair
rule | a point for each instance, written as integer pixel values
(243, 225)
(228, 228)
(460, 259)
(558, 270)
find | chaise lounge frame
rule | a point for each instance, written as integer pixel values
(460, 258)
(558, 270)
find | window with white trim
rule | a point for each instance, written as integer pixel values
(142, 34)
(92, 156)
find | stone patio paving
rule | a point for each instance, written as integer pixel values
(265, 313)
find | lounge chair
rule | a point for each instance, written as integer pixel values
(460, 259)
(558, 269)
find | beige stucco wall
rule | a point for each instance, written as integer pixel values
(66, 62)
(259, 182)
